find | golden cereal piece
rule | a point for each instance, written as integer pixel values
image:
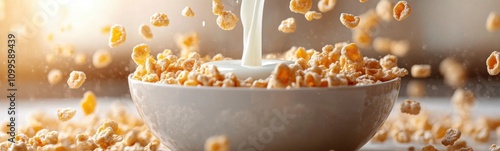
(217, 7)
(310, 15)
(493, 22)
(410, 107)
(455, 74)
(145, 32)
(400, 48)
(76, 79)
(349, 20)
(451, 136)
(227, 20)
(352, 53)
(55, 76)
(429, 148)
(141, 53)
(159, 20)
(421, 71)
(401, 10)
(101, 58)
(493, 63)
(65, 114)
(80, 59)
(326, 5)
(363, 1)
(482, 135)
(188, 12)
(117, 36)
(300, 6)
(382, 44)
(288, 25)
(384, 10)
(217, 143)
(106, 136)
(380, 136)
(88, 103)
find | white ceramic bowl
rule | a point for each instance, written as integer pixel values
(319, 119)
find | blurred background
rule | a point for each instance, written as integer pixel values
(435, 30)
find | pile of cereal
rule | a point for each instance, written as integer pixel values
(341, 64)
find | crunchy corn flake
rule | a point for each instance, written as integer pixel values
(188, 12)
(493, 63)
(88, 102)
(227, 20)
(450, 137)
(310, 15)
(217, 143)
(55, 76)
(101, 58)
(326, 5)
(493, 22)
(421, 71)
(410, 107)
(145, 32)
(65, 114)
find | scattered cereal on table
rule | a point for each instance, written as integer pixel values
(55, 76)
(217, 7)
(311, 15)
(493, 22)
(410, 107)
(401, 10)
(288, 25)
(349, 20)
(145, 32)
(88, 102)
(421, 71)
(117, 36)
(188, 12)
(76, 79)
(384, 10)
(227, 20)
(451, 136)
(300, 6)
(493, 63)
(217, 143)
(65, 114)
(101, 58)
(326, 5)
(159, 20)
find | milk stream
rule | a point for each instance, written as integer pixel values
(251, 64)
(251, 18)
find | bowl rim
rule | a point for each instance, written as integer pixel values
(131, 79)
